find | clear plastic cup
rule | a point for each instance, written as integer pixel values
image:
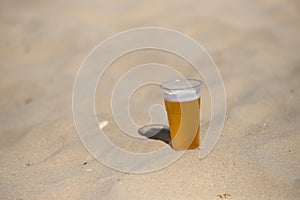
(182, 101)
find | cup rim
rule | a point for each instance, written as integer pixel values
(164, 87)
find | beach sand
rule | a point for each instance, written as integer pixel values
(256, 45)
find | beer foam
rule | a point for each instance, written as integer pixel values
(181, 96)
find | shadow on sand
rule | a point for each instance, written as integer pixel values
(156, 132)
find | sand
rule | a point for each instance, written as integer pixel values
(256, 45)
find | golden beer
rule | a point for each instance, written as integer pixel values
(184, 121)
(182, 101)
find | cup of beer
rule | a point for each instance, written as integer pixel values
(182, 102)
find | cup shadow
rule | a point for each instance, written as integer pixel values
(156, 132)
